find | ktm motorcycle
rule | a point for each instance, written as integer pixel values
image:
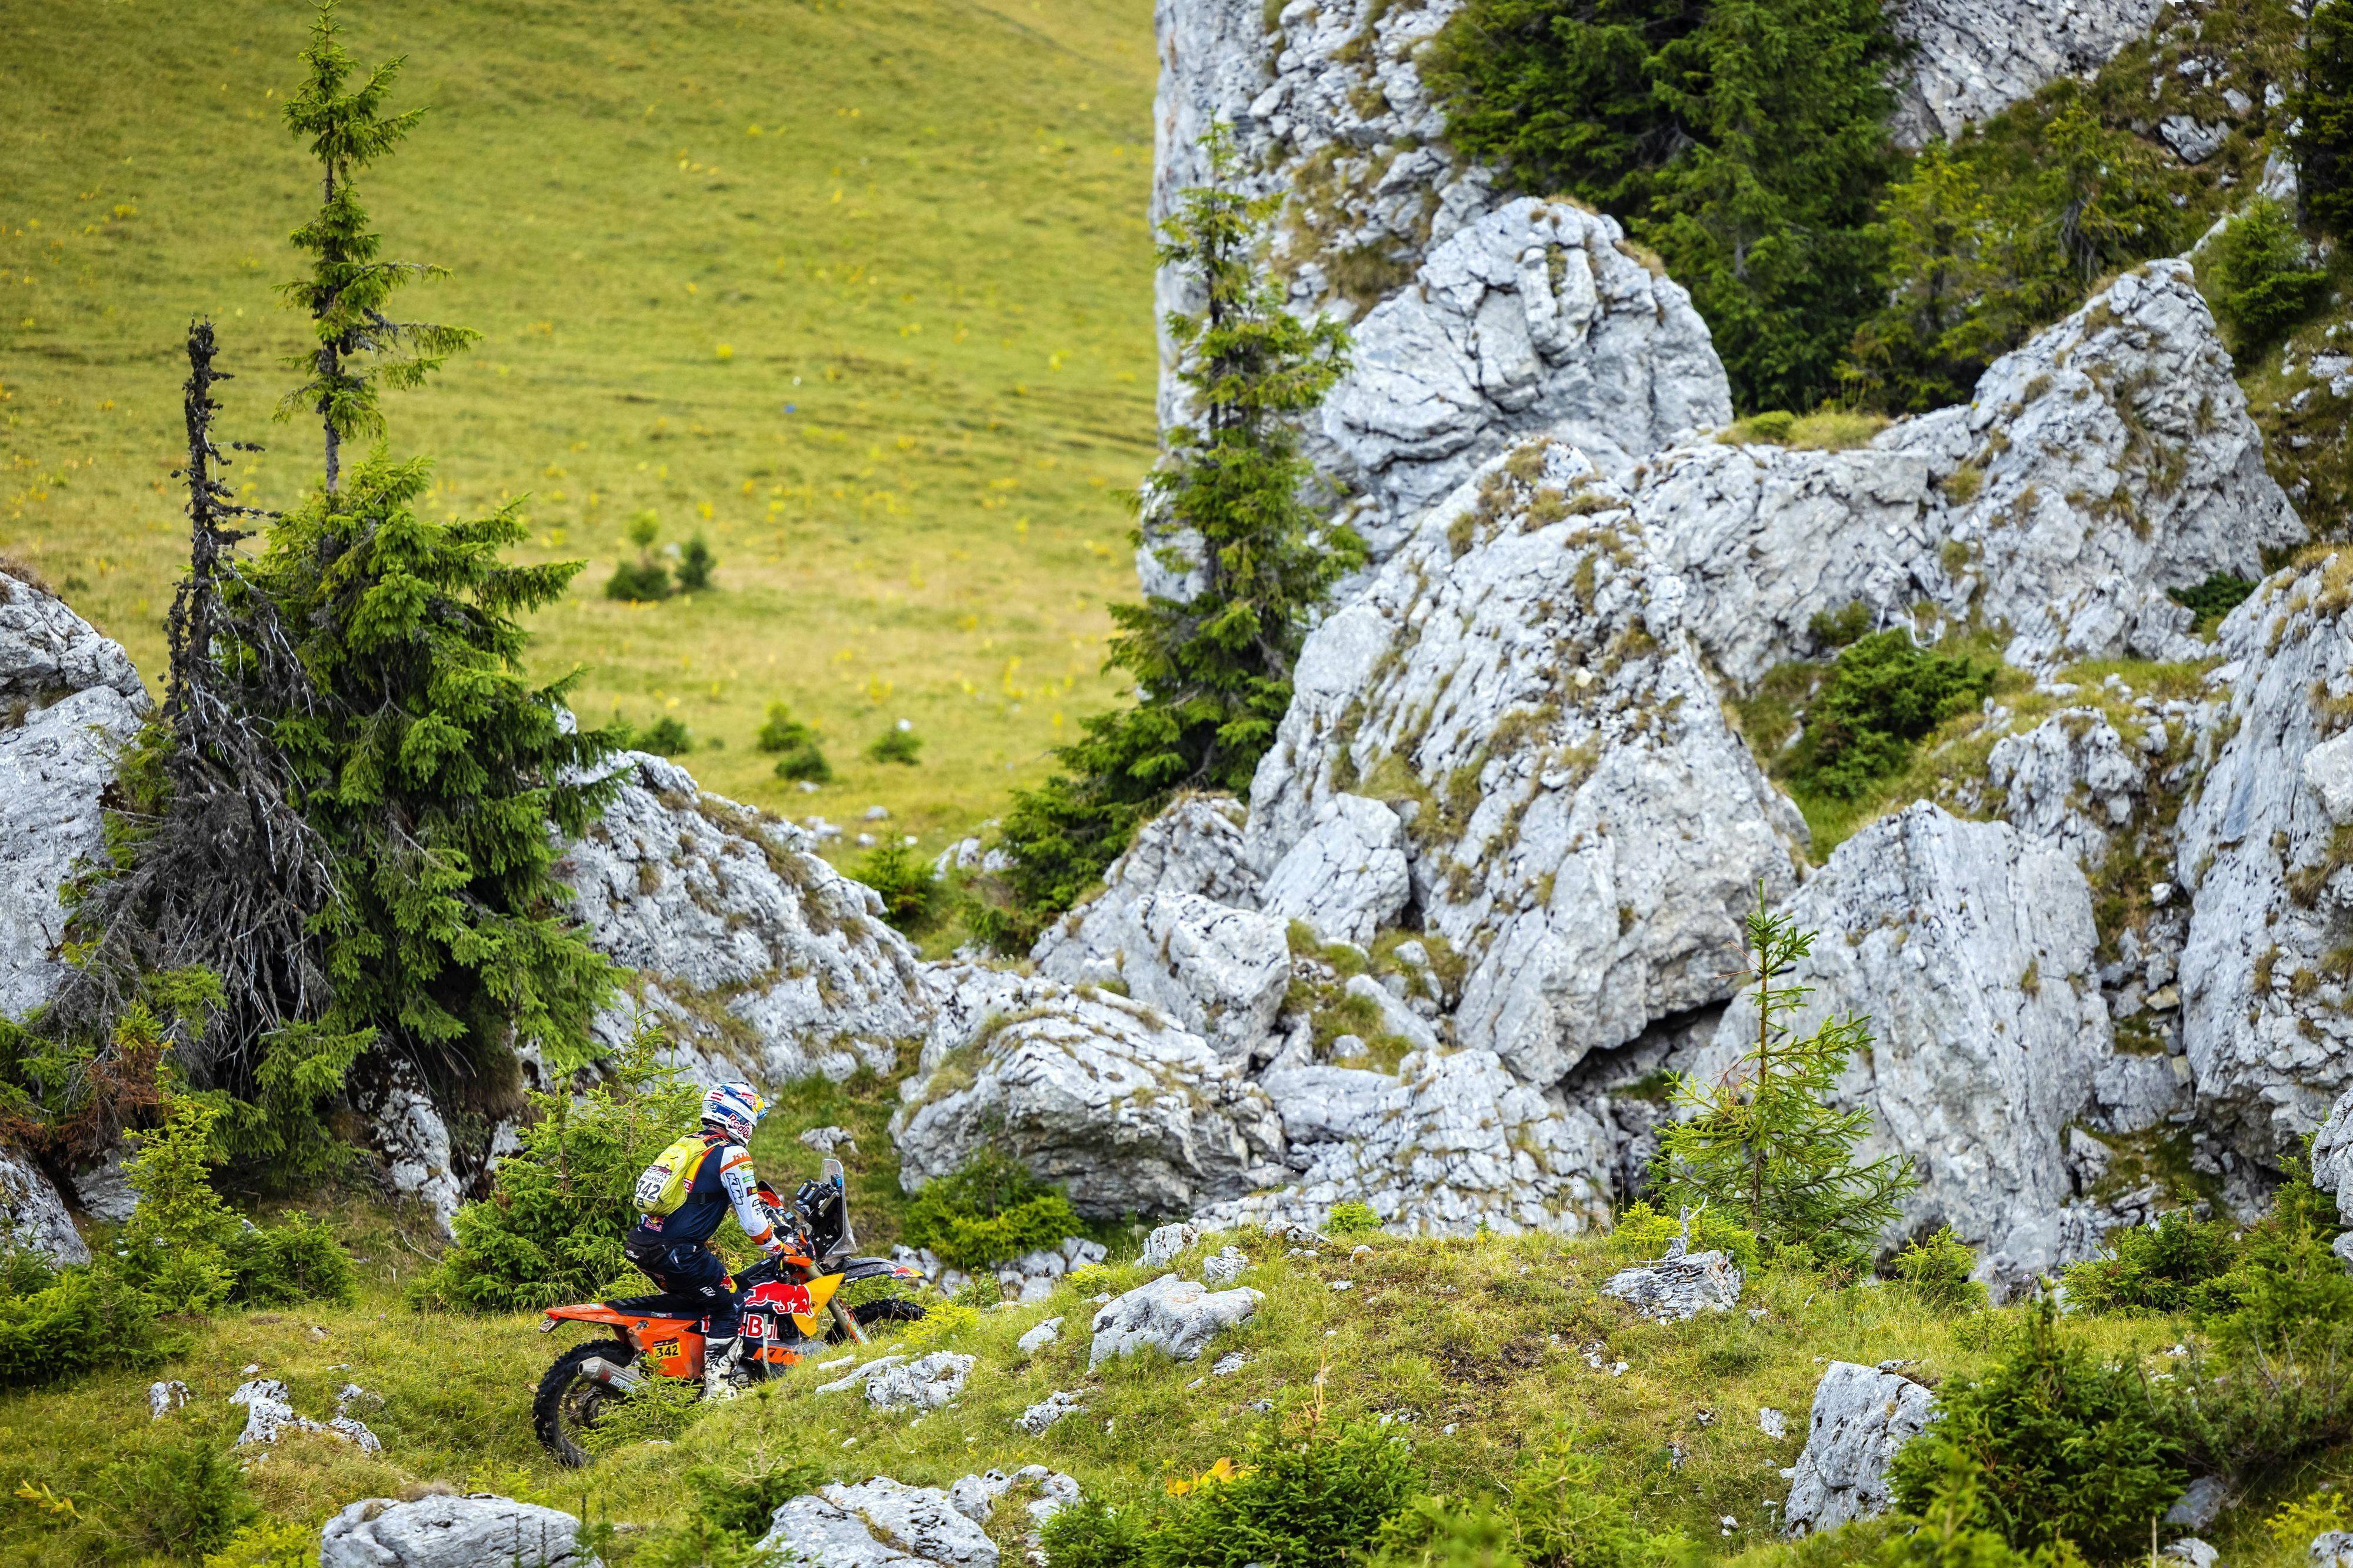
(792, 1308)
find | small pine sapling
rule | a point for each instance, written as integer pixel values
(356, 346)
(899, 744)
(794, 745)
(696, 564)
(1762, 1141)
(2322, 111)
(646, 578)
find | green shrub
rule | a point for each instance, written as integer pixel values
(696, 564)
(910, 894)
(192, 1500)
(740, 1493)
(295, 1260)
(1941, 1271)
(1837, 628)
(658, 1410)
(2259, 276)
(1644, 1232)
(665, 737)
(1951, 1530)
(88, 1318)
(2064, 1448)
(899, 744)
(2177, 1265)
(1884, 694)
(1566, 1513)
(1352, 1218)
(2322, 108)
(1318, 1495)
(1092, 1532)
(551, 1229)
(794, 745)
(269, 1543)
(1439, 1533)
(991, 1210)
(646, 578)
(2212, 599)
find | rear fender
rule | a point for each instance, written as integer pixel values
(672, 1346)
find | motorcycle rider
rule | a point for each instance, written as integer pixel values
(683, 1197)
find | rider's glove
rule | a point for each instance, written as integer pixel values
(774, 1247)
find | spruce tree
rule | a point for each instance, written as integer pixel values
(1761, 1142)
(357, 346)
(1212, 670)
(2323, 107)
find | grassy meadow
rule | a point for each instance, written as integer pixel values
(860, 292)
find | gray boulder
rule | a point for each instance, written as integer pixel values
(1168, 1242)
(2261, 853)
(1971, 951)
(2331, 1549)
(1538, 317)
(1177, 928)
(1035, 1419)
(1678, 1287)
(2109, 459)
(407, 1131)
(49, 652)
(2070, 783)
(32, 1215)
(1173, 1316)
(1975, 57)
(1861, 1416)
(1582, 824)
(874, 1522)
(1346, 877)
(759, 959)
(926, 1382)
(1102, 1095)
(1321, 1104)
(443, 1532)
(1454, 1142)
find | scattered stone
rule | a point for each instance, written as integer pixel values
(1225, 1268)
(442, 1532)
(1171, 1315)
(1047, 1411)
(1168, 1242)
(829, 1140)
(2332, 1549)
(1228, 1364)
(875, 1522)
(1040, 1337)
(2191, 1553)
(926, 1382)
(269, 1415)
(1679, 1285)
(163, 1398)
(1774, 1423)
(1860, 1417)
(2200, 1505)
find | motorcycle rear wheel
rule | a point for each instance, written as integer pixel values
(568, 1402)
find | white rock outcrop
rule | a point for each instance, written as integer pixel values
(1861, 1416)
(1176, 1317)
(269, 1415)
(452, 1532)
(874, 1522)
(1454, 1142)
(2263, 856)
(1970, 950)
(1346, 877)
(32, 1215)
(1583, 827)
(1091, 1090)
(926, 1382)
(69, 702)
(1975, 57)
(2109, 459)
(1537, 319)
(1176, 926)
(760, 960)
(407, 1131)
(1678, 1287)
(2071, 781)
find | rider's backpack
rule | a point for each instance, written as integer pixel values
(662, 1188)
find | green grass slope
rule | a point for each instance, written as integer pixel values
(916, 224)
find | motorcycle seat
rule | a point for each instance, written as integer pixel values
(660, 1305)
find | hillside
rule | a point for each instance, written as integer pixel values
(919, 227)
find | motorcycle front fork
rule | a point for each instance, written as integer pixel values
(848, 1322)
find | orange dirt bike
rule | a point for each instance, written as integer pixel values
(792, 1308)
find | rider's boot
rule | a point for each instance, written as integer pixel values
(719, 1368)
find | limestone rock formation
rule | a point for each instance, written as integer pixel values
(1453, 1143)
(1176, 926)
(926, 1382)
(1582, 824)
(408, 1131)
(1538, 319)
(1087, 1089)
(1971, 952)
(69, 702)
(1975, 57)
(2109, 459)
(2070, 783)
(452, 1532)
(32, 1215)
(874, 1522)
(1173, 1316)
(1861, 1416)
(1346, 879)
(2264, 855)
(760, 959)
(1678, 1287)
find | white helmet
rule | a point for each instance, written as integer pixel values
(735, 1108)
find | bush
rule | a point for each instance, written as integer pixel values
(192, 1499)
(2258, 275)
(898, 743)
(992, 1210)
(1436, 1533)
(1951, 1530)
(2177, 1265)
(1837, 628)
(1941, 1271)
(89, 1318)
(795, 746)
(1883, 695)
(551, 1230)
(2063, 1448)
(2211, 600)
(1566, 1513)
(269, 1543)
(665, 737)
(1093, 1533)
(1316, 1496)
(696, 564)
(298, 1259)
(646, 578)
(1644, 1232)
(910, 894)
(1352, 1218)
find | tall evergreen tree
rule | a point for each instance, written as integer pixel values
(1761, 1142)
(1212, 669)
(357, 346)
(2322, 104)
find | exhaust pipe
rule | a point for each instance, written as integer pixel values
(619, 1379)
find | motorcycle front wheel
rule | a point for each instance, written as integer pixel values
(885, 1309)
(569, 1401)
